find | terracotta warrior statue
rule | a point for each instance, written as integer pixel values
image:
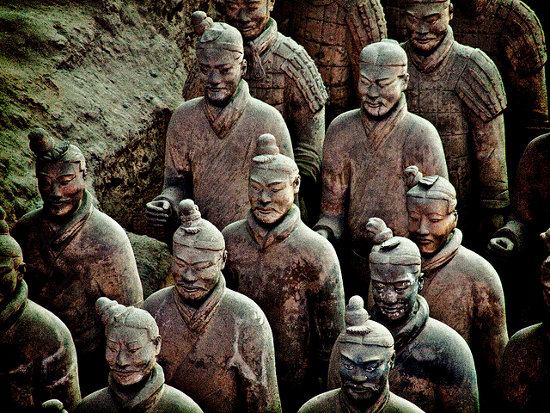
(462, 289)
(362, 357)
(302, 295)
(525, 372)
(434, 367)
(38, 353)
(512, 36)
(334, 32)
(210, 140)
(282, 74)
(364, 149)
(136, 380)
(74, 253)
(217, 343)
(460, 91)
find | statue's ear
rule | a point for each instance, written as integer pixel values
(405, 79)
(420, 282)
(244, 66)
(296, 184)
(392, 360)
(224, 259)
(158, 342)
(451, 11)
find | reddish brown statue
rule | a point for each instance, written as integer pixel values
(217, 343)
(434, 367)
(511, 34)
(462, 289)
(364, 149)
(74, 253)
(136, 381)
(525, 373)
(38, 360)
(290, 271)
(334, 32)
(460, 91)
(282, 74)
(211, 139)
(362, 357)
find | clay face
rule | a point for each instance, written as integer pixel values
(130, 353)
(271, 194)
(221, 71)
(196, 272)
(61, 185)
(430, 223)
(427, 24)
(364, 371)
(8, 277)
(380, 88)
(394, 289)
(248, 16)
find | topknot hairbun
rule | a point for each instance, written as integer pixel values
(412, 176)
(40, 142)
(378, 231)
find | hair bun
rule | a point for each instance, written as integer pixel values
(40, 142)
(200, 22)
(266, 145)
(412, 176)
(377, 231)
(356, 315)
(190, 216)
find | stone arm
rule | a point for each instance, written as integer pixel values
(254, 363)
(425, 150)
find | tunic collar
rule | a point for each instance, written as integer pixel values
(265, 237)
(58, 236)
(378, 406)
(407, 331)
(446, 254)
(197, 319)
(378, 131)
(222, 121)
(145, 398)
(427, 64)
(254, 48)
(13, 306)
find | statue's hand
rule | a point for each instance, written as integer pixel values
(158, 212)
(500, 247)
(323, 232)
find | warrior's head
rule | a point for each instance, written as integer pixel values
(427, 23)
(274, 182)
(11, 260)
(396, 278)
(133, 341)
(249, 16)
(199, 254)
(431, 204)
(366, 356)
(383, 77)
(220, 54)
(61, 173)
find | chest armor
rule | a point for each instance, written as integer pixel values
(323, 32)
(433, 97)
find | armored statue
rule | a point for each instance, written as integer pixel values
(364, 148)
(38, 354)
(282, 74)
(525, 372)
(74, 253)
(334, 32)
(512, 36)
(290, 271)
(434, 367)
(362, 357)
(210, 140)
(462, 289)
(217, 343)
(460, 91)
(136, 380)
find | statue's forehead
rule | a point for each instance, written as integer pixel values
(56, 168)
(364, 353)
(390, 273)
(378, 70)
(425, 8)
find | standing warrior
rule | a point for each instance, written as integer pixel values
(302, 295)
(362, 357)
(434, 367)
(218, 346)
(38, 353)
(281, 73)
(364, 150)
(136, 380)
(462, 289)
(210, 140)
(460, 91)
(334, 32)
(74, 253)
(511, 34)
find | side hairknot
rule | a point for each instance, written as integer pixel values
(377, 231)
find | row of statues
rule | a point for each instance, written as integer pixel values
(273, 224)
